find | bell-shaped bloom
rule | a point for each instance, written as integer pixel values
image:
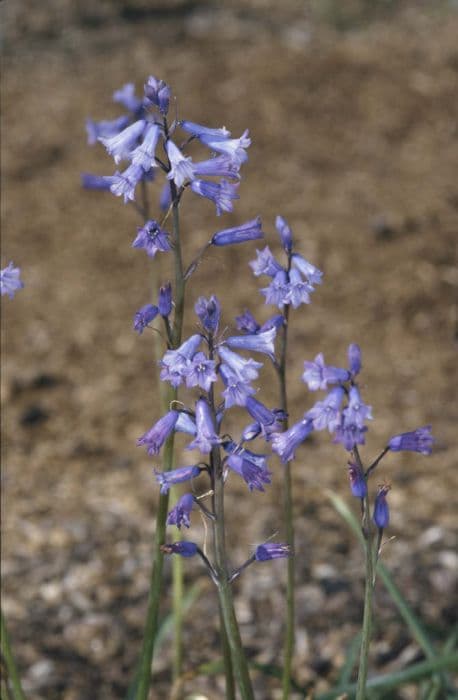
(317, 375)
(285, 233)
(200, 372)
(247, 323)
(180, 514)
(10, 280)
(272, 550)
(126, 97)
(237, 390)
(157, 93)
(164, 300)
(357, 412)
(419, 440)
(175, 363)
(184, 549)
(144, 154)
(144, 316)
(177, 476)
(285, 444)
(311, 273)
(209, 313)
(276, 322)
(251, 432)
(206, 435)
(381, 515)
(97, 182)
(255, 475)
(105, 128)
(124, 183)
(277, 292)
(199, 130)
(185, 424)
(259, 342)
(349, 434)
(121, 145)
(326, 413)
(152, 238)
(249, 231)
(245, 370)
(181, 167)
(234, 148)
(265, 263)
(354, 359)
(221, 166)
(222, 194)
(358, 484)
(155, 437)
(299, 291)
(268, 421)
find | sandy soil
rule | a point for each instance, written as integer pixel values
(354, 142)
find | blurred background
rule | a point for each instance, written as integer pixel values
(352, 110)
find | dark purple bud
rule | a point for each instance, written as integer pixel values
(419, 440)
(249, 231)
(272, 550)
(354, 359)
(144, 316)
(358, 483)
(158, 93)
(285, 233)
(276, 322)
(184, 549)
(180, 514)
(247, 323)
(209, 313)
(165, 300)
(381, 510)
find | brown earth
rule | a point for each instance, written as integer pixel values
(354, 142)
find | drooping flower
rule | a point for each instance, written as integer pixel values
(144, 316)
(419, 440)
(157, 92)
(234, 148)
(299, 291)
(121, 145)
(354, 359)
(144, 154)
(349, 434)
(201, 372)
(247, 323)
(175, 363)
(245, 369)
(126, 97)
(222, 194)
(155, 437)
(209, 313)
(105, 128)
(276, 322)
(221, 166)
(180, 514)
(185, 424)
(265, 263)
(285, 444)
(268, 421)
(206, 435)
(164, 301)
(326, 413)
(97, 182)
(285, 233)
(381, 514)
(358, 484)
(10, 280)
(249, 231)
(152, 238)
(184, 549)
(260, 342)
(177, 476)
(199, 130)
(124, 183)
(317, 375)
(182, 168)
(237, 389)
(311, 273)
(277, 292)
(255, 475)
(272, 550)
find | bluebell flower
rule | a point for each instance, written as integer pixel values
(182, 168)
(200, 372)
(272, 550)
(152, 238)
(144, 154)
(357, 412)
(234, 148)
(349, 434)
(97, 182)
(176, 476)
(206, 435)
(164, 301)
(237, 389)
(285, 444)
(254, 475)
(354, 359)
(245, 369)
(276, 322)
(265, 263)
(10, 280)
(157, 93)
(180, 514)
(277, 292)
(121, 145)
(285, 233)
(267, 421)
(199, 130)
(209, 313)
(144, 316)
(299, 291)
(312, 274)
(249, 231)
(419, 440)
(251, 432)
(165, 199)
(358, 484)
(259, 459)
(317, 375)
(260, 342)
(221, 194)
(124, 183)
(105, 128)
(247, 323)
(126, 97)
(155, 437)
(185, 424)
(175, 363)
(381, 514)
(221, 166)
(184, 549)
(326, 413)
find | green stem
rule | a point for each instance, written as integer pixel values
(177, 607)
(12, 676)
(227, 658)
